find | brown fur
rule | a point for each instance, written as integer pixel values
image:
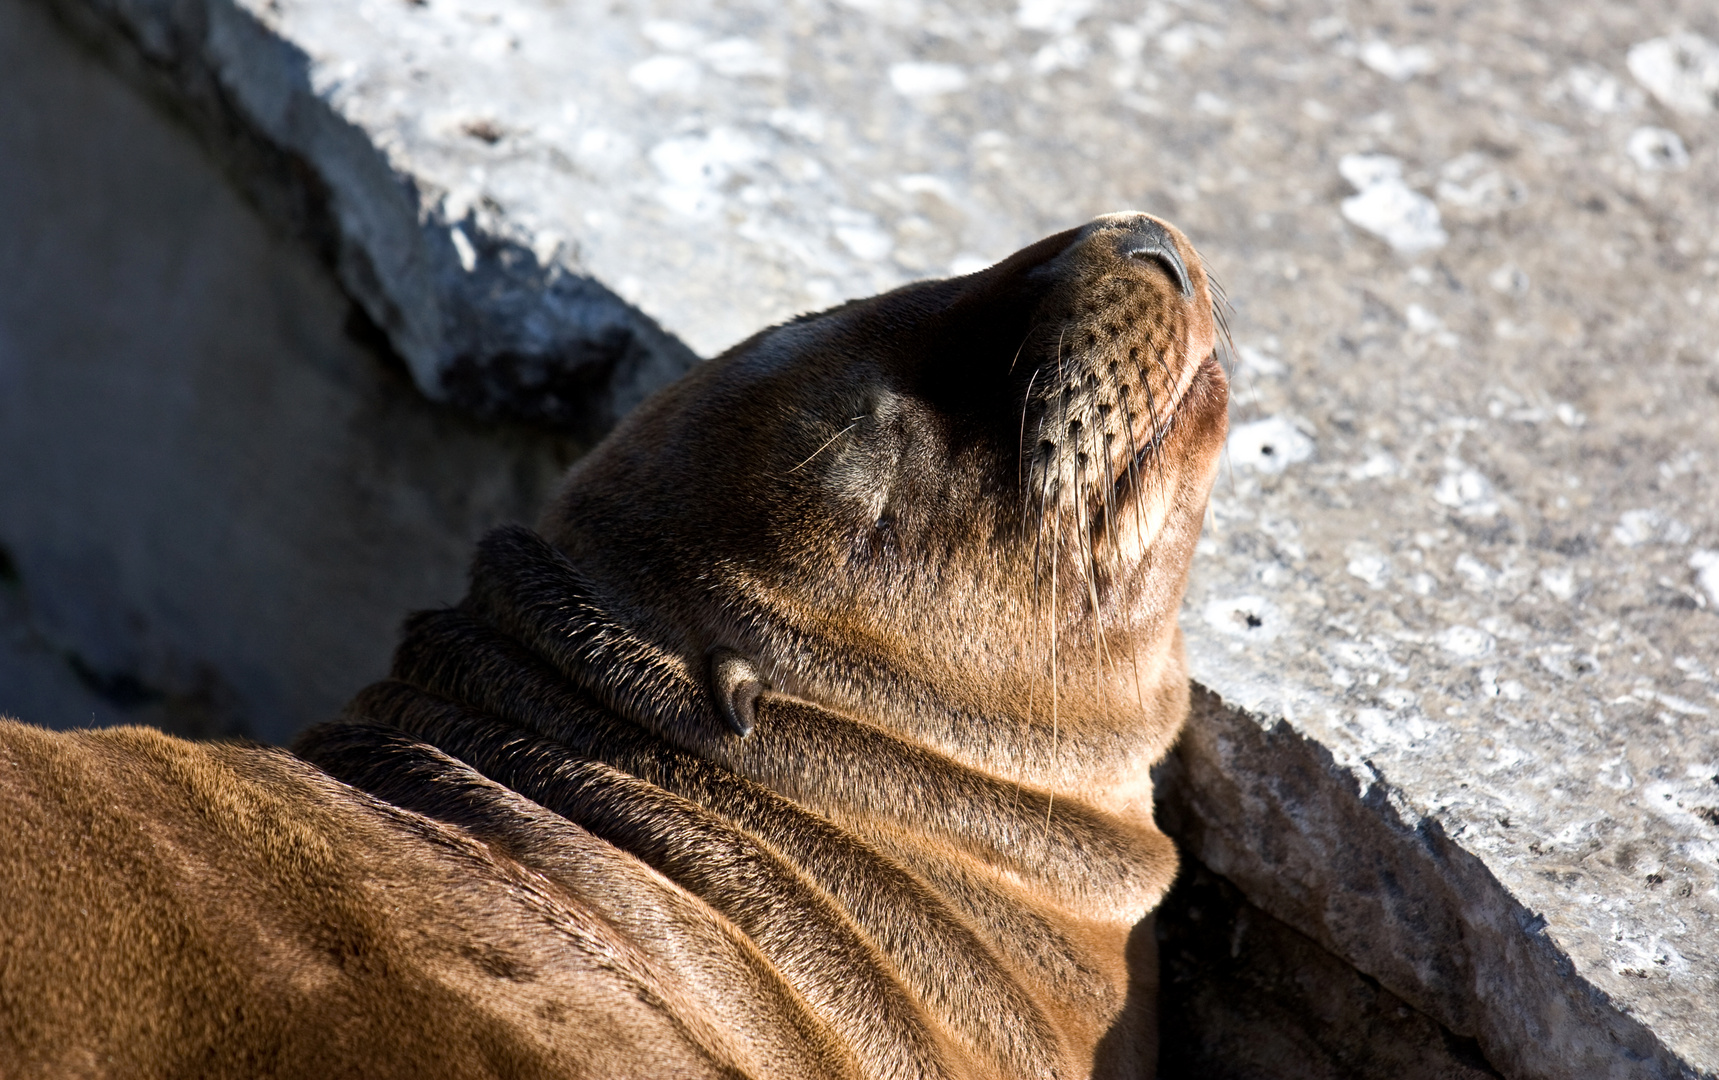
(809, 738)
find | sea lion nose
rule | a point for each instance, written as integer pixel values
(1145, 239)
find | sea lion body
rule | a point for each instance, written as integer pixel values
(809, 735)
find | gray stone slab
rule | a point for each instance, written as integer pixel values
(1457, 605)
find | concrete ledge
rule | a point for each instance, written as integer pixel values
(1338, 853)
(485, 317)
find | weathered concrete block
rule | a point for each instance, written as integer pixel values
(497, 320)
(1458, 599)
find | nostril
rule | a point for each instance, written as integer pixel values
(1148, 241)
(1173, 264)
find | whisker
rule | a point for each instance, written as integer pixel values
(1222, 309)
(1091, 569)
(1151, 446)
(1028, 336)
(1226, 344)
(1056, 553)
(1212, 282)
(1050, 789)
(1159, 436)
(826, 446)
(1109, 486)
(1252, 387)
(1139, 694)
(1044, 511)
(1089, 553)
(1229, 471)
(1133, 463)
(1021, 446)
(1031, 711)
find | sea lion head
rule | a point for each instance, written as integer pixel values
(962, 511)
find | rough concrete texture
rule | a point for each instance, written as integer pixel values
(1459, 603)
(216, 504)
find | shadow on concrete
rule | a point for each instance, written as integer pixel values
(1244, 997)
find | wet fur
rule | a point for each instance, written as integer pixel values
(807, 736)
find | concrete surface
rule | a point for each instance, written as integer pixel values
(1456, 610)
(217, 500)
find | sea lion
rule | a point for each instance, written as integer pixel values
(808, 735)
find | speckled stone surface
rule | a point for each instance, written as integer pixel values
(1462, 572)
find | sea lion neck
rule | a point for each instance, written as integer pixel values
(942, 896)
(532, 593)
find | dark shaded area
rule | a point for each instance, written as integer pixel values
(565, 393)
(122, 689)
(1245, 997)
(203, 708)
(220, 489)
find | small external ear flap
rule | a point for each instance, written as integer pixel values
(735, 685)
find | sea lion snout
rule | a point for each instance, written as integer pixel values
(1124, 334)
